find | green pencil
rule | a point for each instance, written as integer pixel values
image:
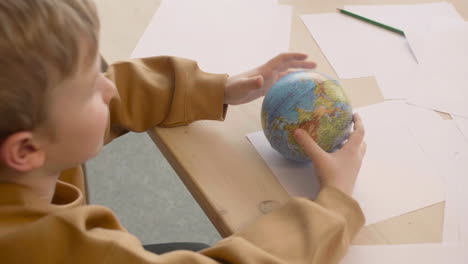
(372, 22)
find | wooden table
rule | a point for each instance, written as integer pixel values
(230, 180)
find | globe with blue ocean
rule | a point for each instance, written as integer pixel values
(309, 100)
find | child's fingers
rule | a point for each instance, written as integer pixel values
(363, 149)
(288, 56)
(282, 74)
(294, 62)
(293, 56)
(251, 83)
(357, 120)
(310, 147)
(301, 64)
(357, 136)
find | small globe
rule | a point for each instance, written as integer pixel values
(311, 101)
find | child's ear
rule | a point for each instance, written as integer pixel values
(21, 153)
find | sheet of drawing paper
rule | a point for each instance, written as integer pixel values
(297, 178)
(451, 148)
(442, 73)
(449, 153)
(406, 254)
(389, 183)
(457, 184)
(223, 36)
(361, 49)
(396, 161)
(402, 16)
(355, 48)
(462, 124)
(461, 186)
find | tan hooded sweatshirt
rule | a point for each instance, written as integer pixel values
(166, 91)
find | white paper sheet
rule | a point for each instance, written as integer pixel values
(462, 124)
(459, 187)
(451, 149)
(223, 36)
(297, 178)
(406, 254)
(356, 49)
(402, 16)
(442, 73)
(396, 177)
(449, 152)
(397, 161)
(457, 184)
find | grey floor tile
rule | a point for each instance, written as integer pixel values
(134, 179)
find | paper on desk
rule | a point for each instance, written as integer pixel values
(402, 16)
(297, 178)
(451, 148)
(449, 152)
(441, 76)
(406, 254)
(396, 176)
(361, 49)
(223, 36)
(355, 48)
(397, 81)
(396, 160)
(460, 184)
(457, 184)
(462, 124)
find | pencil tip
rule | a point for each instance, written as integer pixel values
(339, 9)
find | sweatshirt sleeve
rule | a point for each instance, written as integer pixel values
(302, 231)
(162, 91)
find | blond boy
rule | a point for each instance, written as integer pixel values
(58, 110)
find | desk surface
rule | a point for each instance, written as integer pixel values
(224, 172)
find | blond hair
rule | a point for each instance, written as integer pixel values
(40, 45)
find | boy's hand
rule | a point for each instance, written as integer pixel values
(338, 169)
(250, 85)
